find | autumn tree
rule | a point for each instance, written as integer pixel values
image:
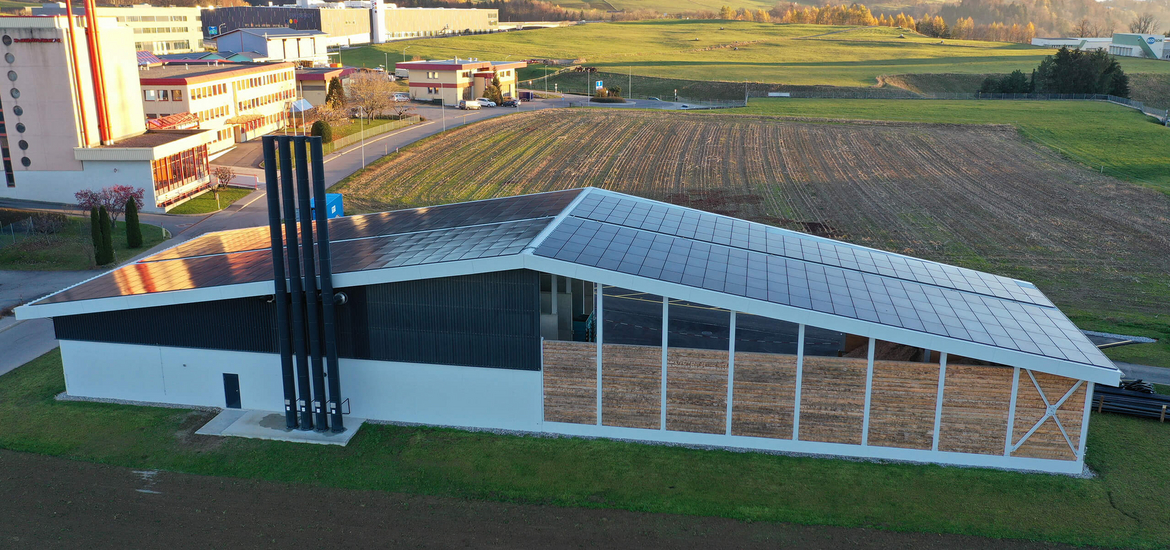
(726, 13)
(223, 176)
(372, 92)
(112, 199)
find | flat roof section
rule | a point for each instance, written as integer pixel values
(180, 72)
(152, 139)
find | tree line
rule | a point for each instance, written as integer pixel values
(1066, 72)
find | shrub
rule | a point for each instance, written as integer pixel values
(322, 130)
(133, 228)
(608, 100)
(104, 254)
(48, 223)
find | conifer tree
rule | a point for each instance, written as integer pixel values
(104, 254)
(133, 228)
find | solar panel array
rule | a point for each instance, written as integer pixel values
(673, 244)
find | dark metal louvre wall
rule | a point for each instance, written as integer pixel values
(484, 320)
(246, 17)
(244, 324)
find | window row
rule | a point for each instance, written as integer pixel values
(160, 30)
(211, 114)
(208, 91)
(263, 80)
(165, 46)
(162, 95)
(264, 121)
(265, 99)
(179, 169)
(154, 18)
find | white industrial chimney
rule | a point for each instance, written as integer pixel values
(377, 23)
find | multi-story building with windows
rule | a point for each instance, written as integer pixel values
(160, 30)
(238, 101)
(60, 134)
(454, 79)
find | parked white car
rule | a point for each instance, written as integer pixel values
(485, 102)
(401, 96)
(469, 105)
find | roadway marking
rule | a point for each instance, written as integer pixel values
(374, 140)
(249, 203)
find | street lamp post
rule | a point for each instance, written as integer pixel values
(362, 129)
(404, 53)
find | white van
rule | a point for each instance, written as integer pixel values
(401, 96)
(402, 73)
(469, 105)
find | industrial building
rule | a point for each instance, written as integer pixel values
(313, 84)
(71, 117)
(159, 30)
(592, 313)
(1148, 46)
(305, 48)
(353, 23)
(237, 102)
(451, 80)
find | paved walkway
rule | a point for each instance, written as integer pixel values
(1157, 375)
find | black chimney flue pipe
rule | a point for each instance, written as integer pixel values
(280, 295)
(287, 189)
(320, 420)
(327, 304)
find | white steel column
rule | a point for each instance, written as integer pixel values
(665, 346)
(938, 405)
(1085, 420)
(868, 393)
(541, 382)
(730, 371)
(799, 368)
(1007, 445)
(600, 290)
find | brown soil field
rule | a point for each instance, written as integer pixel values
(979, 196)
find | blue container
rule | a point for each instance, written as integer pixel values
(333, 206)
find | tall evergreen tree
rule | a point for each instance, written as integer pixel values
(95, 230)
(133, 228)
(335, 95)
(105, 253)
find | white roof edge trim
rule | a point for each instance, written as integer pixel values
(974, 350)
(556, 221)
(137, 301)
(797, 233)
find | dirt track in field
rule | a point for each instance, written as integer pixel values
(978, 196)
(55, 503)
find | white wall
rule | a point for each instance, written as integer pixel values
(181, 376)
(404, 392)
(472, 397)
(60, 185)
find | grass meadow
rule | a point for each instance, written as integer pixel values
(767, 52)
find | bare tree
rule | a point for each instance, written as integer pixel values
(1144, 24)
(223, 176)
(373, 93)
(402, 109)
(1084, 28)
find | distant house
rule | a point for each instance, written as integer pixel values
(303, 47)
(454, 79)
(313, 84)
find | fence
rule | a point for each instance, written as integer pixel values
(15, 231)
(343, 142)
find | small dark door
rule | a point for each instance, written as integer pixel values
(231, 390)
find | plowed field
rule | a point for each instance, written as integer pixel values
(978, 196)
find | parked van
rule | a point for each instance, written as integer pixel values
(469, 105)
(402, 73)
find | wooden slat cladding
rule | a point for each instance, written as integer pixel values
(570, 382)
(631, 386)
(975, 409)
(696, 390)
(764, 393)
(832, 399)
(1047, 441)
(902, 404)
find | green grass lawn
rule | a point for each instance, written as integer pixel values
(205, 203)
(71, 249)
(782, 54)
(1127, 504)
